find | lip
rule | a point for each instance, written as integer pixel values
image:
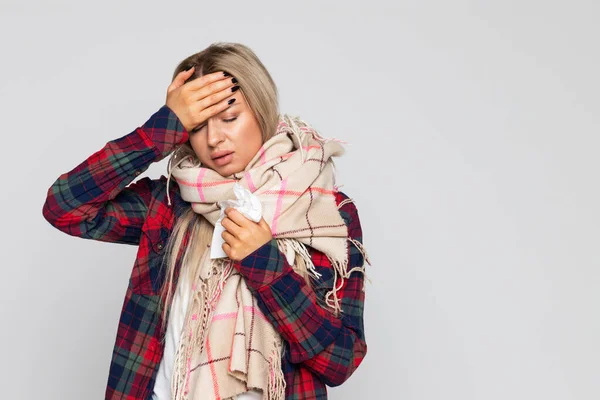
(220, 154)
(225, 158)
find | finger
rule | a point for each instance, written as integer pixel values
(231, 227)
(206, 80)
(222, 96)
(205, 113)
(180, 79)
(238, 217)
(264, 224)
(228, 237)
(226, 248)
(222, 86)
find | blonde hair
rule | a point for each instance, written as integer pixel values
(260, 92)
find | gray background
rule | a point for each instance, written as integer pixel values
(473, 162)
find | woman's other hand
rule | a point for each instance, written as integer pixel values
(242, 235)
(196, 101)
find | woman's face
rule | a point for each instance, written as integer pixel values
(229, 140)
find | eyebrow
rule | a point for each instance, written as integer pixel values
(229, 108)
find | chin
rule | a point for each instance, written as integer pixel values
(227, 170)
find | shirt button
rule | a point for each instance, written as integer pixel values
(160, 246)
(137, 173)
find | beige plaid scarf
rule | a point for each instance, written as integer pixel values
(228, 346)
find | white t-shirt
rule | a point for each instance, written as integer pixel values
(162, 386)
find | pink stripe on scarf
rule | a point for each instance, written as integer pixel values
(220, 317)
(206, 184)
(224, 182)
(213, 373)
(199, 183)
(311, 147)
(263, 159)
(297, 193)
(278, 206)
(250, 183)
(231, 315)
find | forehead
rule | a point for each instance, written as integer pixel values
(232, 108)
(240, 103)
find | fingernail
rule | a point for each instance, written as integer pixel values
(233, 89)
(231, 101)
(226, 73)
(234, 80)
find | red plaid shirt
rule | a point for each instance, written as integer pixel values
(96, 200)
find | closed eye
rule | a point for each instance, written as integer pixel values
(203, 125)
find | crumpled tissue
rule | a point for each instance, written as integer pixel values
(246, 203)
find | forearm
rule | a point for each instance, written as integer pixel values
(77, 201)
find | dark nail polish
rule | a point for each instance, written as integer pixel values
(233, 89)
(231, 101)
(234, 80)
(226, 74)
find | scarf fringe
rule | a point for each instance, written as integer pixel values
(341, 271)
(287, 244)
(276, 381)
(170, 170)
(340, 267)
(205, 293)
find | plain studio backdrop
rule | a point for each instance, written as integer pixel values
(473, 130)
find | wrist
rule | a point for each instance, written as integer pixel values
(263, 265)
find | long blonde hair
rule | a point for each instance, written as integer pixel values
(260, 92)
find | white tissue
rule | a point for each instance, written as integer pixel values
(247, 203)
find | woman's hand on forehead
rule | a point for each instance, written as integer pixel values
(194, 102)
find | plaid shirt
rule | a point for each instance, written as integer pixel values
(96, 200)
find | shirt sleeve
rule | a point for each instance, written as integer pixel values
(96, 199)
(331, 347)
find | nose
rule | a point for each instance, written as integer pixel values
(215, 134)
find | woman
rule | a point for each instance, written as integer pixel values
(281, 314)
